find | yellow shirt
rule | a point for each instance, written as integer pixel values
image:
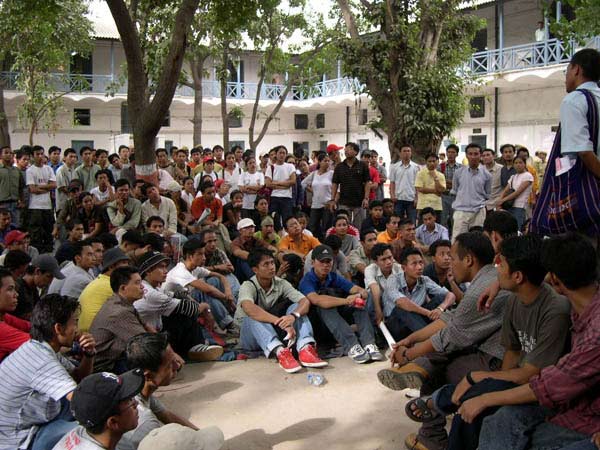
(425, 180)
(306, 244)
(92, 298)
(385, 238)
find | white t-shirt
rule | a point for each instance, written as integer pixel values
(78, 439)
(515, 181)
(181, 276)
(155, 304)
(250, 179)
(281, 172)
(101, 196)
(35, 176)
(321, 188)
(233, 179)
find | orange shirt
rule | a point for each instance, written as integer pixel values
(307, 243)
(216, 208)
(385, 238)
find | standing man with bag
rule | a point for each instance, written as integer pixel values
(574, 159)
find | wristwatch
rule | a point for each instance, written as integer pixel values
(296, 315)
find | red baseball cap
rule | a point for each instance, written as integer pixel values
(208, 158)
(333, 148)
(14, 236)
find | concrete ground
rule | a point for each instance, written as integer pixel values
(260, 407)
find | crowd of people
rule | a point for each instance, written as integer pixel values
(110, 283)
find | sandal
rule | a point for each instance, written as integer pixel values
(420, 405)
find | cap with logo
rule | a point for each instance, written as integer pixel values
(96, 397)
(322, 252)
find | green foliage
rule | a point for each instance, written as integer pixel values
(41, 38)
(585, 24)
(410, 56)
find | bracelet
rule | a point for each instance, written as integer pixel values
(296, 314)
(440, 308)
(470, 378)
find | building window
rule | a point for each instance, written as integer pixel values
(82, 116)
(301, 121)
(477, 107)
(320, 121)
(232, 144)
(322, 146)
(481, 140)
(363, 118)
(125, 126)
(300, 148)
(78, 145)
(167, 121)
(235, 121)
(363, 144)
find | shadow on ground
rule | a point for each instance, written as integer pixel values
(258, 439)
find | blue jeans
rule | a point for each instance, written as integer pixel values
(242, 272)
(50, 433)
(401, 322)
(255, 335)
(340, 329)
(585, 444)
(519, 214)
(463, 435)
(406, 208)
(523, 427)
(218, 309)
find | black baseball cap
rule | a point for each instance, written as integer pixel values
(322, 252)
(96, 397)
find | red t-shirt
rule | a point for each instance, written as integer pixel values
(216, 208)
(13, 333)
(374, 174)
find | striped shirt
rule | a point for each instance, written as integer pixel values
(34, 380)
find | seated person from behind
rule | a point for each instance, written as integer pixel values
(339, 259)
(270, 311)
(439, 270)
(411, 300)
(104, 404)
(332, 294)
(430, 231)
(375, 218)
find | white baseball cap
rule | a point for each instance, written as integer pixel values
(244, 223)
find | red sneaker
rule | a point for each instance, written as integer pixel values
(287, 361)
(309, 358)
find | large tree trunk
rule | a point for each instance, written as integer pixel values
(224, 113)
(4, 132)
(146, 116)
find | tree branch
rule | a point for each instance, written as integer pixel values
(349, 19)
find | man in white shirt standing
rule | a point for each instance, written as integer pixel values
(40, 180)
(280, 177)
(403, 175)
(64, 175)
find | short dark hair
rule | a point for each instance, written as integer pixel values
(354, 146)
(366, 231)
(112, 157)
(146, 187)
(190, 247)
(100, 151)
(405, 221)
(146, 351)
(108, 240)
(133, 236)
(257, 255)
(121, 276)
(4, 273)
(4, 212)
(68, 151)
(492, 151)
(386, 200)
(431, 155)
(122, 182)
(287, 219)
(334, 241)
(428, 210)
(504, 146)
(15, 259)
(523, 254)
(51, 310)
(375, 204)
(78, 248)
(202, 235)
(452, 147)
(379, 249)
(589, 61)
(161, 150)
(206, 185)
(572, 259)
(502, 222)
(85, 148)
(53, 148)
(437, 244)
(37, 148)
(103, 172)
(154, 219)
(477, 244)
(155, 241)
(408, 251)
(473, 145)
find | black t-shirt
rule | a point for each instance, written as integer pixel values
(352, 182)
(379, 226)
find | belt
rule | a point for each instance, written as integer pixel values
(3, 202)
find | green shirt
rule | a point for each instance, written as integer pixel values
(11, 183)
(274, 241)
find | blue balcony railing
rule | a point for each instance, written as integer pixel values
(99, 84)
(527, 56)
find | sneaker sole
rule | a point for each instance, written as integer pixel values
(319, 364)
(358, 361)
(292, 370)
(399, 381)
(377, 358)
(209, 355)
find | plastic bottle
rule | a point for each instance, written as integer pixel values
(316, 379)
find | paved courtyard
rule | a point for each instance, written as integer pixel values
(260, 407)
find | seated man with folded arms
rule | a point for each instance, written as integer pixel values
(377, 274)
(38, 380)
(460, 341)
(271, 311)
(557, 408)
(104, 404)
(296, 241)
(152, 353)
(190, 274)
(360, 258)
(439, 268)
(411, 300)
(179, 317)
(535, 334)
(332, 296)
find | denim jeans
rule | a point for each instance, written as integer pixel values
(255, 335)
(50, 433)
(523, 427)
(341, 330)
(585, 444)
(463, 435)
(406, 208)
(519, 214)
(218, 309)
(282, 206)
(242, 272)
(401, 322)
(233, 283)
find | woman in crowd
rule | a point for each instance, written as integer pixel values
(318, 184)
(517, 191)
(349, 242)
(91, 216)
(250, 183)
(231, 172)
(232, 213)
(188, 194)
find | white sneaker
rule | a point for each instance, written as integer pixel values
(358, 354)
(203, 352)
(374, 352)
(412, 393)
